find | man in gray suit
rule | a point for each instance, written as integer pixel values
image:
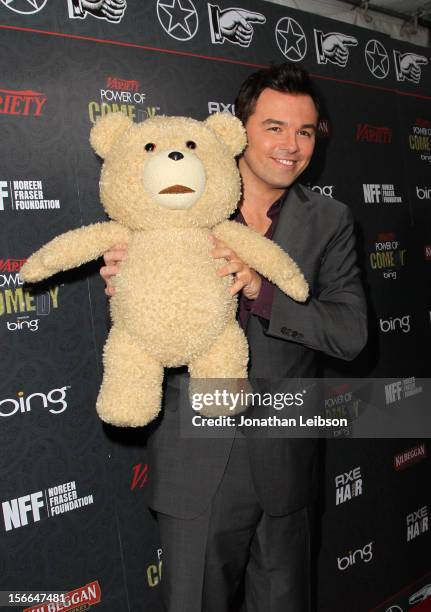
(234, 513)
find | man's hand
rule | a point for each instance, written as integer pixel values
(246, 279)
(112, 258)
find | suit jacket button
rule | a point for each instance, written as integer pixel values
(284, 331)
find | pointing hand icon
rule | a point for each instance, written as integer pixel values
(233, 24)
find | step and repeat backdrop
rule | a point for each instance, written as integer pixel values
(73, 516)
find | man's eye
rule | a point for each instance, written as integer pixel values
(305, 133)
(274, 128)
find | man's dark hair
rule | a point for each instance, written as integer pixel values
(286, 78)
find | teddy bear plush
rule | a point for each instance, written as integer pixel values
(167, 184)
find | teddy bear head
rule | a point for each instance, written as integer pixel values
(169, 171)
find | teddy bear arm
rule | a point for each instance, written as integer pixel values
(73, 249)
(264, 256)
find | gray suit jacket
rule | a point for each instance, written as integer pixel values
(317, 232)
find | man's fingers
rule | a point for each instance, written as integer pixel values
(231, 268)
(108, 271)
(223, 253)
(238, 285)
(348, 40)
(251, 16)
(115, 254)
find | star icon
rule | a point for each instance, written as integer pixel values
(177, 20)
(291, 39)
(25, 7)
(377, 59)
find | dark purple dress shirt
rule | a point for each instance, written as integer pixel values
(262, 305)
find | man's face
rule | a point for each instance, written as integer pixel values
(281, 136)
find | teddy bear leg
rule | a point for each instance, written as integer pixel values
(222, 371)
(130, 395)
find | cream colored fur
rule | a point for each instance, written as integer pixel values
(170, 308)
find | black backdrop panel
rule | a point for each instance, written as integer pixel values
(63, 66)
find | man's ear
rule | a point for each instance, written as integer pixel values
(107, 130)
(230, 130)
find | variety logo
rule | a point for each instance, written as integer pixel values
(420, 139)
(427, 249)
(109, 10)
(377, 59)
(326, 190)
(395, 324)
(388, 258)
(178, 18)
(417, 523)
(409, 457)
(378, 193)
(140, 476)
(24, 7)
(33, 507)
(54, 401)
(401, 389)
(233, 25)
(333, 47)
(291, 39)
(376, 135)
(324, 128)
(408, 66)
(364, 554)
(84, 597)
(221, 107)
(423, 193)
(121, 95)
(26, 102)
(25, 195)
(348, 485)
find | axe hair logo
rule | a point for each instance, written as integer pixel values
(348, 485)
(108, 10)
(417, 523)
(408, 66)
(233, 25)
(333, 47)
(221, 107)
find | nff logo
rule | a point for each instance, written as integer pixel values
(23, 510)
(364, 554)
(375, 193)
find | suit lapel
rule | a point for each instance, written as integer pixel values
(292, 223)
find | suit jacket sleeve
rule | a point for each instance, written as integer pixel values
(334, 319)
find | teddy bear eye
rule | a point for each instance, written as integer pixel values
(190, 144)
(150, 146)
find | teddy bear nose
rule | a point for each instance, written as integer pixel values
(176, 155)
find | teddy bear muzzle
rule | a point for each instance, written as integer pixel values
(174, 179)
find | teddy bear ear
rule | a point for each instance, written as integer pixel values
(229, 129)
(107, 130)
